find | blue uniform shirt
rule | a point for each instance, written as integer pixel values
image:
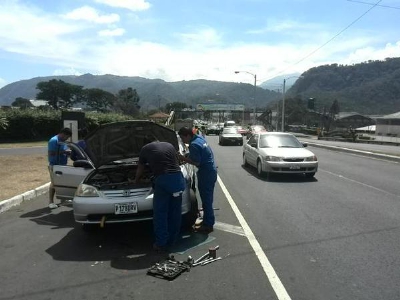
(55, 146)
(200, 152)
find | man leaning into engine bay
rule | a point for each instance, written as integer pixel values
(168, 185)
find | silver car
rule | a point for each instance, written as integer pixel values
(230, 136)
(102, 184)
(279, 152)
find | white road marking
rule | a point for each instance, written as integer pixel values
(273, 278)
(229, 228)
(360, 183)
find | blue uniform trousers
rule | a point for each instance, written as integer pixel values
(167, 207)
(206, 179)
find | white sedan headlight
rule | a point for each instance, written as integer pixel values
(85, 190)
(272, 158)
(311, 158)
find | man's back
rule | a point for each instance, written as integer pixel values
(161, 157)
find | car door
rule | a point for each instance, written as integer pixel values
(252, 150)
(67, 178)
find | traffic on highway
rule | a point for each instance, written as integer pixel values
(333, 235)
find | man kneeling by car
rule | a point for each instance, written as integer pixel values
(168, 185)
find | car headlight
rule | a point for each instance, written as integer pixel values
(85, 190)
(311, 158)
(272, 158)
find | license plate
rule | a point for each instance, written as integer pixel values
(126, 208)
(294, 167)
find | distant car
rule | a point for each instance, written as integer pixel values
(212, 129)
(278, 152)
(255, 129)
(243, 131)
(229, 123)
(102, 185)
(230, 135)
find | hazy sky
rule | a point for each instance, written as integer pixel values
(192, 39)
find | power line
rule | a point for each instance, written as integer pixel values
(335, 36)
(362, 2)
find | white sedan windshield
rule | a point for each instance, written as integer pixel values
(279, 141)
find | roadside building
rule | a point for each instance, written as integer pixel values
(388, 125)
(346, 120)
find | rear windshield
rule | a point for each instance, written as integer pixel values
(230, 130)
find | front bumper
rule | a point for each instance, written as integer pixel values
(290, 168)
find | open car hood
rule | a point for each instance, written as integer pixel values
(121, 140)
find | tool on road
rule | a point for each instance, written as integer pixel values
(169, 269)
(211, 254)
(210, 260)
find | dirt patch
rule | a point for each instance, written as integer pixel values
(21, 173)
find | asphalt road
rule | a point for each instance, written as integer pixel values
(333, 237)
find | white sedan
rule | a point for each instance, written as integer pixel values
(279, 152)
(102, 184)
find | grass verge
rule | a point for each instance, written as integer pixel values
(24, 144)
(21, 173)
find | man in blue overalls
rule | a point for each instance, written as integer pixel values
(168, 185)
(201, 155)
(57, 154)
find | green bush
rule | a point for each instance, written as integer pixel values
(38, 125)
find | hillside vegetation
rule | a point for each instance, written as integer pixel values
(368, 88)
(372, 87)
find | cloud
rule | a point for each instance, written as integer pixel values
(202, 37)
(111, 32)
(90, 14)
(133, 5)
(3, 82)
(68, 71)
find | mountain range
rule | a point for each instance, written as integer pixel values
(372, 87)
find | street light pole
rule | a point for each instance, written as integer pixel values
(255, 91)
(283, 100)
(283, 106)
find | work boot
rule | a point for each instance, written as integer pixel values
(204, 229)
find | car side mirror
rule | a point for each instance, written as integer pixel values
(254, 145)
(82, 164)
(305, 144)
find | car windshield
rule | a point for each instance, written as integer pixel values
(279, 141)
(230, 130)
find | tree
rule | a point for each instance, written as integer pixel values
(98, 99)
(21, 103)
(127, 102)
(333, 111)
(295, 111)
(58, 93)
(175, 106)
(3, 121)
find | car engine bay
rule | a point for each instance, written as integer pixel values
(122, 177)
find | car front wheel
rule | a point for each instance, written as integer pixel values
(245, 163)
(260, 171)
(190, 218)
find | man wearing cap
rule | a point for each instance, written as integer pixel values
(201, 156)
(57, 154)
